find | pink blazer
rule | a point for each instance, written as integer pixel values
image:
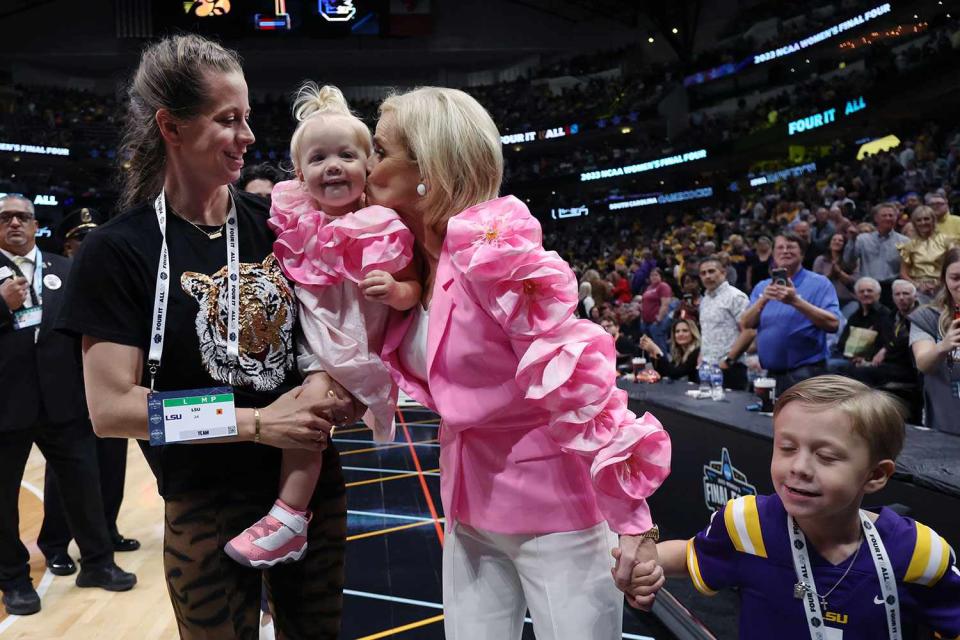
(535, 437)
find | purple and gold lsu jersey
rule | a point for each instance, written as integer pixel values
(747, 545)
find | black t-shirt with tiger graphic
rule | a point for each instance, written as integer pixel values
(111, 298)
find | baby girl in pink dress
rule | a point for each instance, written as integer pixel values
(350, 265)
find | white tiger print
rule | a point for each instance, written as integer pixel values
(267, 315)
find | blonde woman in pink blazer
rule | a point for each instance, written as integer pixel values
(540, 458)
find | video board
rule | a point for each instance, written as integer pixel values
(271, 18)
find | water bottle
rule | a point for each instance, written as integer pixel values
(716, 383)
(704, 380)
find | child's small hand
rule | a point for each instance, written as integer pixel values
(379, 286)
(646, 579)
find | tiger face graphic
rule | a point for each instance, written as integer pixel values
(267, 316)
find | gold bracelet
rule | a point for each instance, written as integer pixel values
(653, 533)
(256, 426)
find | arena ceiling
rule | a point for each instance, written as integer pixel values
(80, 39)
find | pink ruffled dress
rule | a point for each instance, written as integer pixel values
(327, 257)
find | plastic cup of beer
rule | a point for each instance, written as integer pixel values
(766, 390)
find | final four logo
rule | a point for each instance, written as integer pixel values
(723, 482)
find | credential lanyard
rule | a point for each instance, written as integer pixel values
(38, 278)
(811, 602)
(36, 284)
(162, 293)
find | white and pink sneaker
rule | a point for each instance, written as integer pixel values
(278, 537)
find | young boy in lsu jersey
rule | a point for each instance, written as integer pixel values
(809, 563)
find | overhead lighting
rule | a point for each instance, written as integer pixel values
(675, 30)
(626, 130)
(650, 39)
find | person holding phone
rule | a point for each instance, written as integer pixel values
(792, 311)
(935, 341)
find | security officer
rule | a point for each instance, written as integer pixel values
(55, 532)
(42, 402)
(75, 226)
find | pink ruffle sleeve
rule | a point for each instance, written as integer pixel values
(369, 239)
(567, 366)
(318, 250)
(300, 229)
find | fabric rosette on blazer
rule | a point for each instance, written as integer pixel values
(529, 291)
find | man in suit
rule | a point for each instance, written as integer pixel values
(55, 533)
(42, 402)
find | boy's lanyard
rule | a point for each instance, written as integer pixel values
(163, 288)
(806, 588)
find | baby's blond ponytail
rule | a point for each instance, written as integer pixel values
(312, 99)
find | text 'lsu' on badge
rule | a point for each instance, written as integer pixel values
(191, 414)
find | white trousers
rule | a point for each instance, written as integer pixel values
(491, 579)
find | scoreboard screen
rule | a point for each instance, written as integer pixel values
(270, 18)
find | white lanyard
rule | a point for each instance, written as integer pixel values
(163, 288)
(38, 276)
(37, 279)
(806, 586)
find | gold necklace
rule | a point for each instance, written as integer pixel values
(210, 235)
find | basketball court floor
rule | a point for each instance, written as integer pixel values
(395, 533)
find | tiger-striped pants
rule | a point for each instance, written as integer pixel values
(214, 598)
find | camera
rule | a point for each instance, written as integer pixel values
(779, 276)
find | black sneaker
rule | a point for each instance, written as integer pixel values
(109, 577)
(21, 601)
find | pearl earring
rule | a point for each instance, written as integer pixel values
(421, 189)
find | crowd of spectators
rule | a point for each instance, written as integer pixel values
(702, 281)
(834, 263)
(611, 87)
(709, 128)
